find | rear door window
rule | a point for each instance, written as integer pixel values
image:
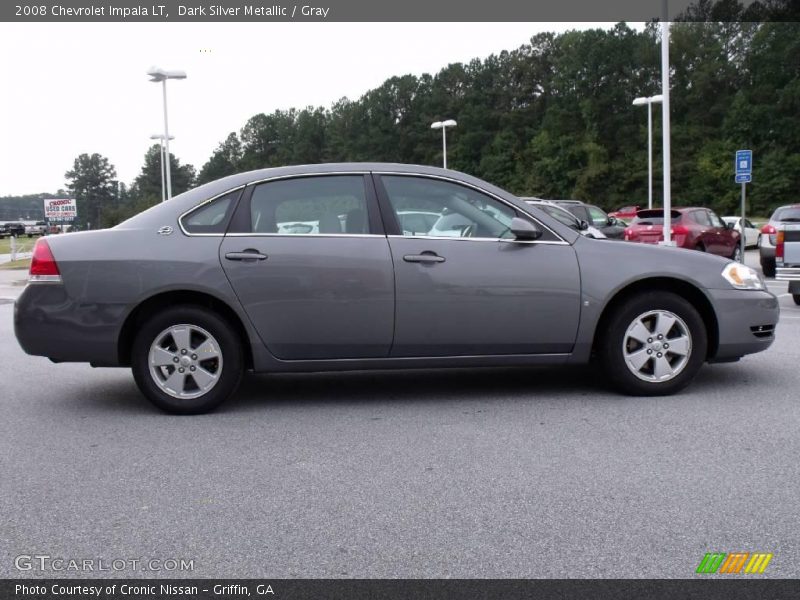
(321, 205)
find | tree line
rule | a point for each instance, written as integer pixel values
(552, 118)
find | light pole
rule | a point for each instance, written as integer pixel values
(649, 102)
(161, 75)
(160, 137)
(665, 135)
(443, 125)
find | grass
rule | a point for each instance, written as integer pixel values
(24, 244)
(23, 263)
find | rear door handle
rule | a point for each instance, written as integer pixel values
(249, 254)
(425, 257)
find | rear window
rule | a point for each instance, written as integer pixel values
(654, 217)
(788, 213)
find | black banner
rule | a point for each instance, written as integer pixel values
(368, 10)
(381, 589)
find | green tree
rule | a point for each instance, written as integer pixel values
(92, 182)
(225, 160)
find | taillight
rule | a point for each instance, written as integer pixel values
(770, 231)
(679, 230)
(43, 264)
(628, 234)
(779, 246)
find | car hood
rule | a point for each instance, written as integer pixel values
(626, 262)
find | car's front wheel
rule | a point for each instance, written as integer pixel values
(653, 345)
(187, 360)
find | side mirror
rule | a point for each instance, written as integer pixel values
(611, 221)
(729, 225)
(584, 225)
(524, 230)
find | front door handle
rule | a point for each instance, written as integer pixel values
(425, 257)
(249, 254)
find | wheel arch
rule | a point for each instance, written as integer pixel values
(155, 303)
(681, 287)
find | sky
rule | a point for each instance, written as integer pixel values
(73, 88)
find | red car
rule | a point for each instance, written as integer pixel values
(626, 213)
(695, 228)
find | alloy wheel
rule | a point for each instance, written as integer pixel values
(657, 346)
(185, 361)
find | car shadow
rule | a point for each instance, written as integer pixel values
(258, 392)
(414, 386)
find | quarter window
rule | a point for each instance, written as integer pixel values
(435, 208)
(326, 205)
(211, 217)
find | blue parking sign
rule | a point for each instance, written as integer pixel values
(743, 166)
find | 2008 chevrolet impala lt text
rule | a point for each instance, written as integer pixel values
(376, 266)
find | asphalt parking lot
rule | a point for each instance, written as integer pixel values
(462, 473)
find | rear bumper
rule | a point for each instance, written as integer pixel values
(47, 322)
(746, 320)
(787, 274)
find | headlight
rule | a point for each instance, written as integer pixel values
(742, 277)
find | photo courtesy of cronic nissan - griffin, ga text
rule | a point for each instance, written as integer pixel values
(376, 266)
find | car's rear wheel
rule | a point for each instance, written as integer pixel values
(737, 253)
(654, 344)
(768, 268)
(187, 360)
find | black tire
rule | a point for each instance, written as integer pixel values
(700, 248)
(768, 267)
(230, 349)
(796, 298)
(737, 254)
(611, 350)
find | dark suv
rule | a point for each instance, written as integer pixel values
(611, 227)
(17, 229)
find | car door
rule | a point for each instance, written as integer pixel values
(705, 235)
(725, 239)
(310, 263)
(468, 288)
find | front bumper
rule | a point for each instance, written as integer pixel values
(746, 322)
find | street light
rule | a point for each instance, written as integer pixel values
(160, 137)
(161, 75)
(649, 101)
(443, 125)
